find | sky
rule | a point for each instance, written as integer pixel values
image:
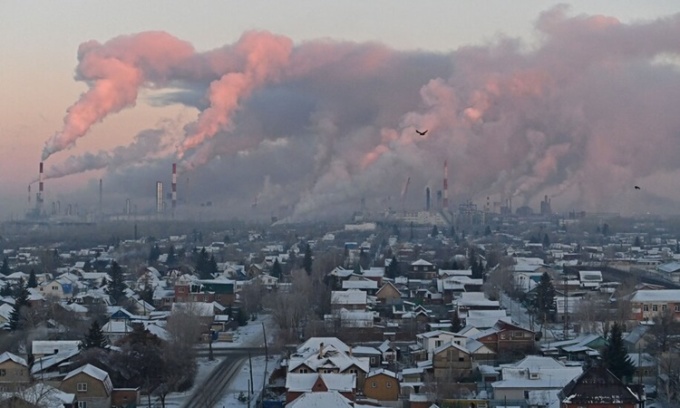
(310, 107)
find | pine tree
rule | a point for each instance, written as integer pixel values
(435, 232)
(241, 317)
(6, 290)
(364, 259)
(32, 281)
(307, 261)
(154, 253)
(212, 267)
(16, 322)
(456, 324)
(94, 338)
(116, 286)
(203, 264)
(545, 297)
(277, 272)
(172, 258)
(393, 268)
(615, 357)
(546, 240)
(5, 267)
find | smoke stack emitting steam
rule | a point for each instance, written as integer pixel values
(446, 185)
(174, 187)
(39, 196)
(515, 122)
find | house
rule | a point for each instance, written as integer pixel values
(647, 304)
(388, 294)
(59, 288)
(451, 362)
(348, 299)
(14, 373)
(328, 355)
(428, 342)
(597, 387)
(382, 385)
(533, 373)
(39, 395)
(670, 271)
(40, 348)
(300, 383)
(321, 399)
(91, 385)
(507, 338)
(590, 280)
(373, 354)
(421, 269)
(580, 348)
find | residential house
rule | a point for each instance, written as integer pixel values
(40, 348)
(321, 399)
(670, 271)
(421, 269)
(507, 338)
(428, 342)
(590, 280)
(451, 362)
(382, 385)
(388, 294)
(14, 373)
(298, 384)
(57, 288)
(533, 373)
(37, 396)
(581, 348)
(597, 387)
(91, 385)
(647, 304)
(348, 299)
(328, 355)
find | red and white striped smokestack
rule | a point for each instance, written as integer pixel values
(40, 184)
(174, 185)
(446, 184)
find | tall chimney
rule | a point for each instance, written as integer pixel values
(29, 194)
(427, 198)
(159, 197)
(446, 184)
(127, 207)
(174, 188)
(39, 197)
(101, 195)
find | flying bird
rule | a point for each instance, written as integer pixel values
(421, 133)
(637, 187)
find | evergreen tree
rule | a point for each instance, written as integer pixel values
(212, 267)
(487, 231)
(154, 253)
(615, 357)
(32, 281)
(203, 264)
(94, 338)
(545, 297)
(364, 259)
(393, 268)
(277, 272)
(456, 324)
(307, 261)
(16, 322)
(357, 269)
(5, 267)
(435, 232)
(116, 286)
(172, 258)
(546, 240)
(6, 290)
(241, 317)
(410, 235)
(452, 232)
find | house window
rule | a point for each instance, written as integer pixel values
(438, 343)
(82, 404)
(303, 371)
(461, 358)
(645, 308)
(353, 371)
(3, 372)
(663, 308)
(655, 308)
(677, 308)
(55, 287)
(374, 385)
(82, 387)
(388, 384)
(372, 360)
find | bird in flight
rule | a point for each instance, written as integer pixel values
(421, 133)
(637, 187)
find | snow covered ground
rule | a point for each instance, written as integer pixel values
(247, 336)
(239, 386)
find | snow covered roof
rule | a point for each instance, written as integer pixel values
(334, 382)
(13, 357)
(94, 372)
(348, 297)
(366, 284)
(42, 394)
(43, 347)
(421, 262)
(330, 399)
(663, 295)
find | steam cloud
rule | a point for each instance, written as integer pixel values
(583, 115)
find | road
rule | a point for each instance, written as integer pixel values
(210, 391)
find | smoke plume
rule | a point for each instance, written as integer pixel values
(581, 116)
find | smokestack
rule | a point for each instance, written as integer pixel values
(159, 197)
(174, 188)
(127, 207)
(446, 184)
(39, 197)
(101, 195)
(427, 198)
(29, 194)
